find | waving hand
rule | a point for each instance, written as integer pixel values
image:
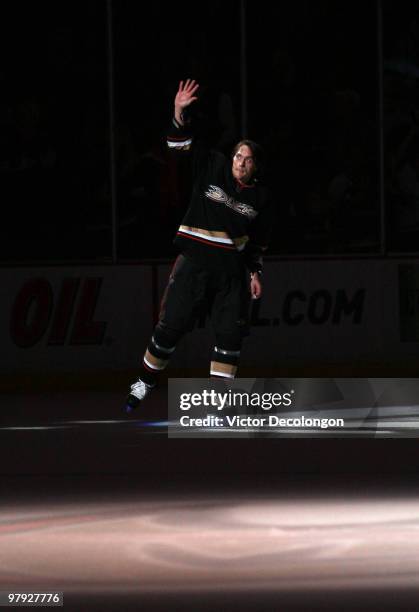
(184, 97)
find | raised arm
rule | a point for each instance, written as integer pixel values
(180, 137)
(184, 97)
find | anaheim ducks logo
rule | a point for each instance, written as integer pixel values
(216, 194)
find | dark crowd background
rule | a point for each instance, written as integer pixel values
(343, 183)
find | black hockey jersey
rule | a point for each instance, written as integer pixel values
(228, 224)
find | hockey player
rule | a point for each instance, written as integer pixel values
(221, 240)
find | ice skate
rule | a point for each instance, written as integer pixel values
(139, 391)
